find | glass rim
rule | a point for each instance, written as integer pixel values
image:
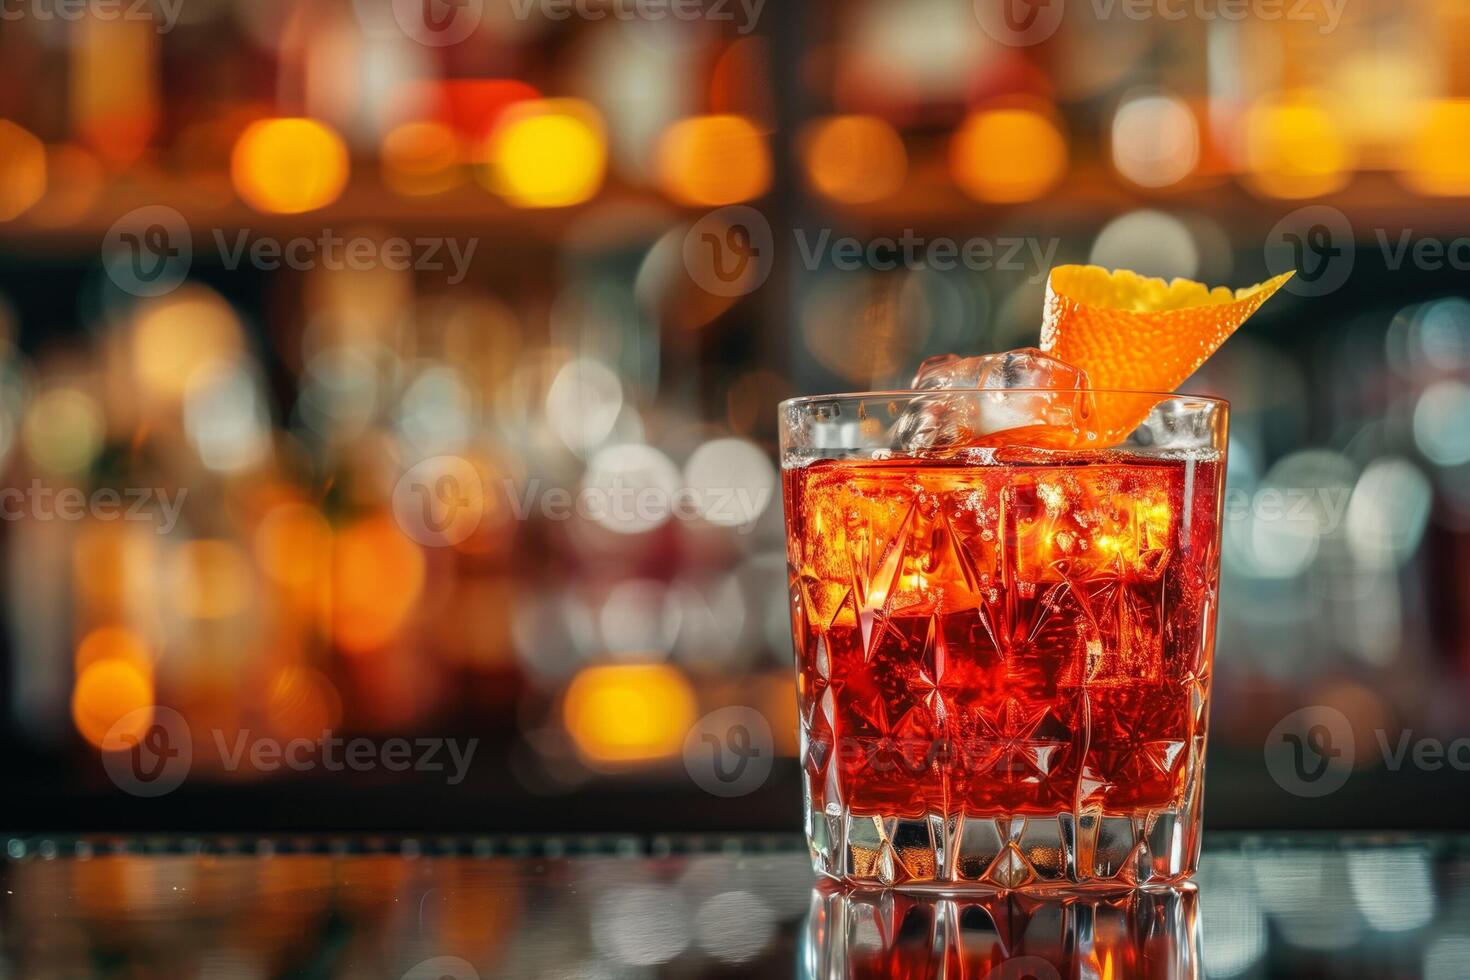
(896, 393)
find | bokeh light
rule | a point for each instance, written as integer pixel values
(1007, 155)
(1151, 243)
(113, 643)
(421, 158)
(178, 337)
(107, 692)
(289, 165)
(22, 170)
(548, 153)
(628, 713)
(854, 159)
(1155, 140)
(302, 703)
(211, 580)
(1295, 147)
(63, 430)
(713, 160)
(377, 578)
(1436, 159)
(293, 545)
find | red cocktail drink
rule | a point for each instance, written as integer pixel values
(1003, 652)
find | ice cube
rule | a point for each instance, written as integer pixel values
(971, 404)
(1173, 425)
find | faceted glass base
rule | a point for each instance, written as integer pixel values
(1060, 852)
(1152, 933)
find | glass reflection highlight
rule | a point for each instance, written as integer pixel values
(1002, 936)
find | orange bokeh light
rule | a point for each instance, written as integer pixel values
(1295, 148)
(75, 185)
(212, 579)
(1437, 159)
(22, 170)
(855, 159)
(421, 158)
(627, 713)
(713, 160)
(377, 578)
(302, 703)
(1007, 155)
(293, 545)
(105, 693)
(288, 166)
(114, 643)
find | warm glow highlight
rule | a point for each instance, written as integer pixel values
(855, 159)
(713, 160)
(1295, 148)
(629, 712)
(302, 703)
(211, 580)
(1007, 155)
(104, 693)
(174, 338)
(377, 577)
(421, 158)
(293, 545)
(288, 166)
(114, 643)
(548, 153)
(22, 170)
(1437, 160)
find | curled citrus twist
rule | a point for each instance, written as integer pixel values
(1131, 332)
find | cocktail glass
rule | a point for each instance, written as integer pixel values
(1003, 651)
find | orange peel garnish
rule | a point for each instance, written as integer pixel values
(1132, 332)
